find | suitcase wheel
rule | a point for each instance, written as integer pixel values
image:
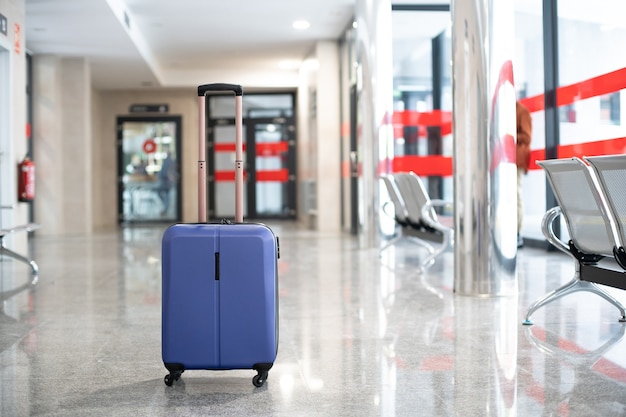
(172, 377)
(259, 379)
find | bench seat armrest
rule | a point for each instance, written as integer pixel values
(547, 228)
(430, 219)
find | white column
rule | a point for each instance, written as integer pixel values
(63, 145)
(374, 109)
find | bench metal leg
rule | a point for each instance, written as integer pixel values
(430, 260)
(422, 243)
(573, 286)
(390, 243)
(413, 239)
(594, 288)
(33, 265)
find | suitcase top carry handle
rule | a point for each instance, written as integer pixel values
(203, 89)
(202, 183)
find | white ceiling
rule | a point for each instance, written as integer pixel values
(181, 43)
(184, 43)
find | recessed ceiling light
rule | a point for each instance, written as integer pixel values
(289, 64)
(301, 24)
(311, 64)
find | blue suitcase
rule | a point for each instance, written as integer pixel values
(220, 291)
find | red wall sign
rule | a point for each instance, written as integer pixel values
(149, 146)
(16, 42)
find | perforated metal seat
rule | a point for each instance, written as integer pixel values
(610, 171)
(582, 204)
(400, 216)
(421, 214)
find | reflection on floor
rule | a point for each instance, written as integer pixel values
(360, 335)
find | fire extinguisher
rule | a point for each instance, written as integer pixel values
(26, 180)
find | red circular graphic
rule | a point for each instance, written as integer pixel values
(149, 146)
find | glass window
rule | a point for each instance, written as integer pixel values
(423, 100)
(269, 152)
(528, 73)
(590, 99)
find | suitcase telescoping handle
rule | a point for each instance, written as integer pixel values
(238, 90)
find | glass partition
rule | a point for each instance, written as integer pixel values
(528, 73)
(591, 100)
(269, 156)
(423, 98)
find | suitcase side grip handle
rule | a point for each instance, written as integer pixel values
(235, 88)
(217, 266)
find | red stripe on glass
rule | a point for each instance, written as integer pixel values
(425, 166)
(277, 175)
(272, 149)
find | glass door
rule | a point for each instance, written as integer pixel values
(269, 157)
(271, 183)
(149, 169)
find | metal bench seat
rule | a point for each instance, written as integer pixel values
(583, 203)
(6, 251)
(419, 217)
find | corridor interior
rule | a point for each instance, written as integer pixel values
(360, 335)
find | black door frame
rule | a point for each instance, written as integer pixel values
(354, 162)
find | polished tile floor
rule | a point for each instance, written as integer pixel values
(360, 335)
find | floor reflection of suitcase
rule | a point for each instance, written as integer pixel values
(220, 303)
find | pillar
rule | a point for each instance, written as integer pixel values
(374, 110)
(484, 129)
(63, 144)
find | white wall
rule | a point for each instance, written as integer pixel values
(13, 141)
(319, 138)
(76, 147)
(307, 177)
(110, 105)
(328, 138)
(63, 145)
